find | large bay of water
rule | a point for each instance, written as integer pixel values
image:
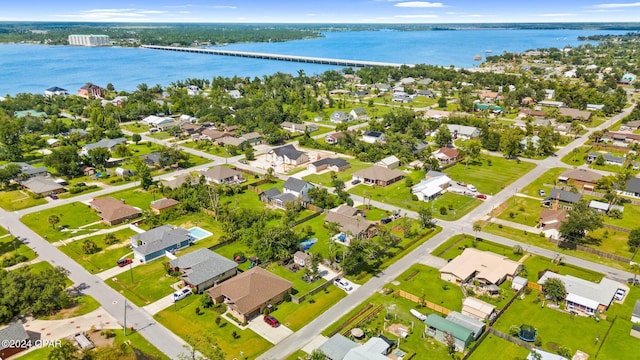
(33, 68)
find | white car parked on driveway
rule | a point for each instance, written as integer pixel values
(181, 294)
(343, 284)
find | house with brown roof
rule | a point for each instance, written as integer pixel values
(378, 175)
(484, 266)
(223, 175)
(333, 139)
(524, 112)
(181, 179)
(446, 156)
(249, 293)
(550, 221)
(91, 91)
(212, 134)
(575, 114)
(584, 178)
(351, 223)
(163, 205)
(113, 211)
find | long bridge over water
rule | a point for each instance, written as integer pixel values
(279, 57)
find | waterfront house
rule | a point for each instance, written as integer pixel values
(248, 294)
(203, 268)
(113, 211)
(55, 91)
(156, 242)
(91, 91)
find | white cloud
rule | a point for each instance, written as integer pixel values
(224, 7)
(419, 16)
(612, 6)
(310, 14)
(420, 4)
(451, 13)
(557, 15)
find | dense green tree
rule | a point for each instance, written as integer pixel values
(425, 216)
(64, 160)
(510, 142)
(443, 136)
(555, 289)
(634, 239)
(580, 220)
(98, 157)
(143, 173)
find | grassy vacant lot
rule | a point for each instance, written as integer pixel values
(493, 347)
(202, 331)
(135, 126)
(295, 316)
(84, 304)
(325, 178)
(521, 210)
(578, 156)
(17, 200)
(552, 325)
(150, 283)
(618, 343)
(424, 281)
(629, 219)
(489, 179)
(72, 216)
(133, 340)
(457, 205)
(549, 177)
(535, 264)
(398, 309)
(536, 240)
(456, 245)
(208, 147)
(9, 247)
(106, 257)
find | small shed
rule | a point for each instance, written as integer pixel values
(470, 323)
(301, 258)
(122, 172)
(83, 342)
(518, 283)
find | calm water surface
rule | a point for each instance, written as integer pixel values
(33, 68)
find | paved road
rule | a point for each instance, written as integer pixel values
(450, 228)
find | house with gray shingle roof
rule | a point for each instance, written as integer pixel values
(297, 187)
(203, 269)
(632, 187)
(12, 334)
(42, 186)
(108, 144)
(154, 243)
(567, 198)
(288, 155)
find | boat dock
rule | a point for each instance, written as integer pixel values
(279, 57)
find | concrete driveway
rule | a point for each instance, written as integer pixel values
(272, 335)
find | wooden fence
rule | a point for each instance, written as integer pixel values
(574, 246)
(535, 286)
(427, 304)
(351, 319)
(307, 218)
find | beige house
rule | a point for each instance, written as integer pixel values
(248, 294)
(484, 266)
(477, 309)
(378, 175)
(350, 222)
(163, 205)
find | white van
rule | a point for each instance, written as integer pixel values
(471, 188)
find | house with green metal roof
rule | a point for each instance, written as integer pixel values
(438, 327)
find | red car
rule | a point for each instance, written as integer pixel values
(124, 262)
(273, 322)
(481, 196)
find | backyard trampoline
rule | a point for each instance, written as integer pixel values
(527, 333)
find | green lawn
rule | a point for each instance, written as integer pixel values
(522, 210)
(629, 219)
(578, 156)
(150, 283)
(136, 127)
(493, 347)
(296, 316)
(299, 286)
(106, 257)
(202, 331)
(84, 304)
(399, 195)
(325, 178)
(553, 325)
(10, 247)
(549, 177)
(18, 199)
(535, 265)
(72, 216)
(535, 239)
(490, 179)
(424, 281)
(133, 340)
(456, 245)
(208, 147)
(618, 342)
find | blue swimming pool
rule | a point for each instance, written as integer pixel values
(199, 233)
(305, 245)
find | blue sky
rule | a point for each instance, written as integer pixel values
(322, 11)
